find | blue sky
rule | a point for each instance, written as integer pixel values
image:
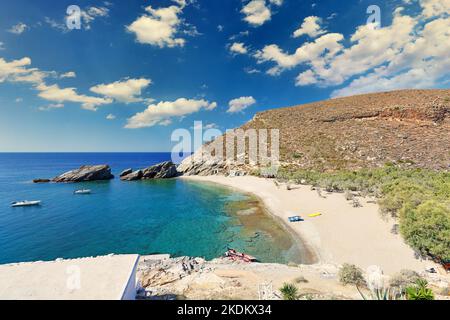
(137, 70)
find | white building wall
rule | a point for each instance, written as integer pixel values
(130, 289)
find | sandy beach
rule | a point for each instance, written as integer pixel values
(342, 234)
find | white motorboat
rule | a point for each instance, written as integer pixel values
(25, 203)
(83, 191)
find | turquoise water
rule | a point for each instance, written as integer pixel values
(166, 216)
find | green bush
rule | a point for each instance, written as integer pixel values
(427, 228)
(351, 274)
(289, 291)
(419, 291)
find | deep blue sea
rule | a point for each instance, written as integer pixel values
(162, 216)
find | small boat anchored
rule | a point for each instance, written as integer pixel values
(25, 203)
(239, 256)
(82, 191)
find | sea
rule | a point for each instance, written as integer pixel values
(174, 216)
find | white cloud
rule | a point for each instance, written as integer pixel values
(435, 8)
(56, 94)
(311, 27)
(2, 46)
(210, 126)
(18, 28)
(256, 12)
(51, 107)
(33, 76)
(200, 125)
(220, 28)
(61, 26)
(412, 52)
(276, 2)
(421, 63)
(18, 71)
(126, 91)
(251, 70)
(159, 27)
(239, 104)
(91, 13)
(88, 16)
(319, 51)
(163, 112)
(245, 33)
(238, 47)
(19, 100)
(15, 67)
(110, 117)
(69, 74)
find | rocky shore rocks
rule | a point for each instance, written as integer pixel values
(202, 163)
(86, 173)
(164, 170)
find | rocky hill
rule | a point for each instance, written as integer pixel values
(408, 127)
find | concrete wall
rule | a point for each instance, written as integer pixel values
(130, 289)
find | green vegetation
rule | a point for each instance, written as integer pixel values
(419, 198)
(427, 228)
(351, 274)
(289, 291)
(419, 291)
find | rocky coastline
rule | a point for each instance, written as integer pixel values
(87, 173)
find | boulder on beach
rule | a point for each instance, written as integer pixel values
(86, 173)
(164, 170)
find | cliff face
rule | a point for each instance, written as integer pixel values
(411, 127)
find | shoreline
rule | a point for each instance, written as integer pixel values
(343, 234)
(308, 253)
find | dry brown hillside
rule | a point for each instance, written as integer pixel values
(408, 126)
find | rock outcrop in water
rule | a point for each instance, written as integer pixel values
(126, 172)
(86, 173)
(164, 170)
(41, 180)
(132, 176)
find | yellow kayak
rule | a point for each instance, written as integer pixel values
(314, 215)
